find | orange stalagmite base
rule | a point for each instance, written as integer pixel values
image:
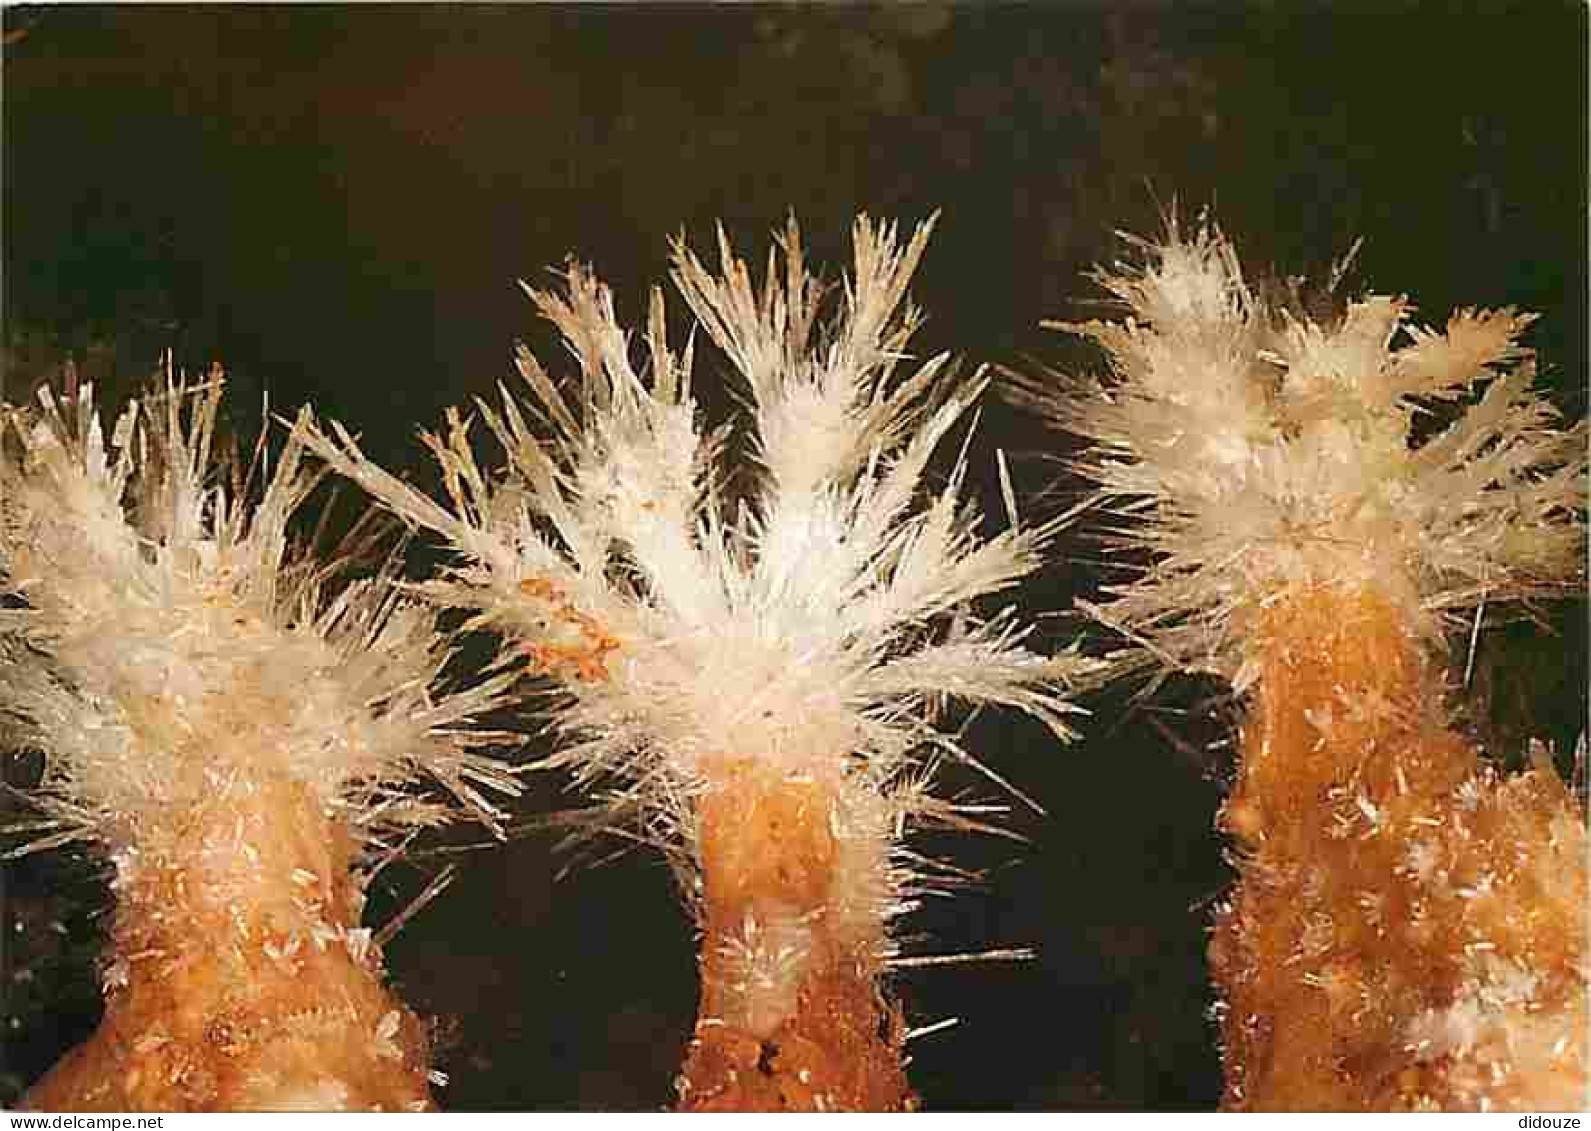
(239, 979)
(1409, 926)
(792, 1014)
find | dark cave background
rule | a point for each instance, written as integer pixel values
(335, 202)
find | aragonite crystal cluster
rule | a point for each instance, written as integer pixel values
(240, 733)
(751, 672)
(1408, 930)
(757, 680)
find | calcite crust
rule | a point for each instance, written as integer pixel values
(240, 979)
(1409, 927)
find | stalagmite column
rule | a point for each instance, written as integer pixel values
(1408, 929)
(794, 1015)
(240, 979)
(754, 680)
(240, 738)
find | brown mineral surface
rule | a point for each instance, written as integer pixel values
(1409, 926)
